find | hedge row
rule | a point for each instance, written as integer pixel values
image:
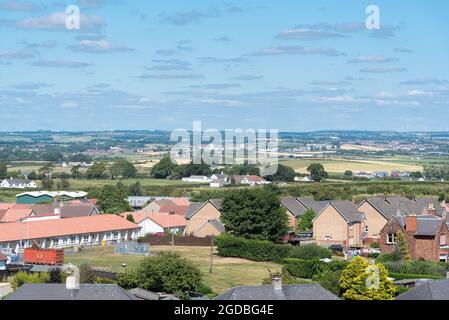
(406, 276)
(307, 269)
(417, 267)
(255, 250)
(261, 250)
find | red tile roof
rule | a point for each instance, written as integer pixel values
(64, 227)
(163, 219)
(13, 214)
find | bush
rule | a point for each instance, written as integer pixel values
(302, 268)
(389, 257)
(255, 250)
(329, 280)
(165, 272)
(23, 277)
(310, 251)
(87, 274)
(419, 267)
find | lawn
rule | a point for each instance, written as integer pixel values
(339, 166)
(227, 272)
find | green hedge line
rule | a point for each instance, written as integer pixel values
(255, 250)
(307, 269)
(261, 250)
(406, 276)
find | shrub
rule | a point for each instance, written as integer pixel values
(329, 280)
(165, 272)
(302, 268)
(310, 251)
(389, 257)
(23, 277)
(417, 267)
(87, 274)
(255, 250)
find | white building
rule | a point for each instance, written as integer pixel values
(17, 184)
(197, 179)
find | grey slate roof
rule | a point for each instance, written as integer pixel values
(391, 206)
(348, 210)
(309, 203)
(143, 294)
(294, 206)
(67, 210)
(217, 225)
(429, 290)
(59, 292)
(427, 225)
(288, 292)
(195, 206)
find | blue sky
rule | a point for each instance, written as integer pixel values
(288, 65)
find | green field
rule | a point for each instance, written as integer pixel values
(227, 272)
(339, 166)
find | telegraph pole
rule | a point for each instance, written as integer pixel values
(211, 253)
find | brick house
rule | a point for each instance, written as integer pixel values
(203, 218)
(296, 207)
(379, 210)
(338, 222)
(427, 236)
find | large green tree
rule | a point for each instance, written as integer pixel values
(97, 171)
(112, 199)
(361, 280)
(163, 169)
(122, 168)
(254, 214)
(283, 173)
(317, 172)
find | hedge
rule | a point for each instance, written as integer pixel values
(310, 251)
(255, 250)
(407, 276)
(301, 268)
(417, 267)
(309, 268)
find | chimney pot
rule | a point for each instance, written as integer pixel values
(277, 282)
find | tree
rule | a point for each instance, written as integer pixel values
(305, 223)
(254, 214)
(317, 172)
(47, 169)
(47, 183)
(244, 169)
(163, 169)
(130, 218)
(112, 200)
(75, 171)
(348, 173)
(284, 173)
(3, 171)
(164, 272)
(63, 184)
(416, 175)
(97, 171)
(32, 175)
(362, 281)
(402, 245)
(136, 189)
(122, 168)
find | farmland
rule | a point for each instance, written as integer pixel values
(339, 165)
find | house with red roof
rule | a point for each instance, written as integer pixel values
(176, 205)
(158, 222)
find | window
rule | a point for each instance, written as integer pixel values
(442, 240)
(85, 238)
(115, 235)
(391, 238)
(73, 240)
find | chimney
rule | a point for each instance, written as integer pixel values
(277, 282)
(410, 223)
(431, 210)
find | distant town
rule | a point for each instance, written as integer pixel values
(100, 207)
